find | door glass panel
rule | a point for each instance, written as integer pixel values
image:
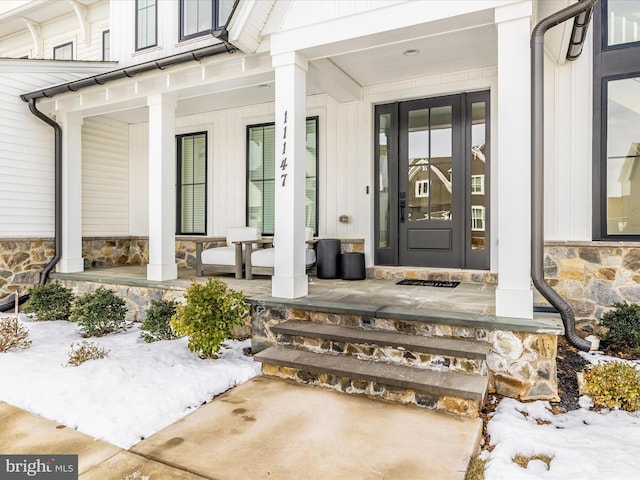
(441, 168)
(623, 157)
(623, 22)
(478, 170)
(418, 180)
(384, 141)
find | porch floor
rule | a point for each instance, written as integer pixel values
(468, 303)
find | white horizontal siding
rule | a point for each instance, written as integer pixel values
(105, 177)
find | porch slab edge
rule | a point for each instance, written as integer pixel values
(541, 323)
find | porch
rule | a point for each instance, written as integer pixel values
(436, 347)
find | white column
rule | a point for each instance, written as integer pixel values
(514, 296)
(71, 256)
(162, 194)
(290, 279)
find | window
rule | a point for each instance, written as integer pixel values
(192, 184)
(261, 143)
(201, 17)
(422, 188)
(146, 24)
(477, 218)
(477, 184)
(623, 22)
(63, 52)
(616, 150)
(106, 47)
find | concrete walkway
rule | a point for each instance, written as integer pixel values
(269, 429)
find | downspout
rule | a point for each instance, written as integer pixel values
(57, 158)
(581, 9)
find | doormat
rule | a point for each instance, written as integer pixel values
(429, 283)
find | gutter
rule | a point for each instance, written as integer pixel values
(131, 71)
(581, 11)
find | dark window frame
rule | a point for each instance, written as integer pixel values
(155, 43)
(316, 119)
(106, 45)
(62, 45)
(179, 184)
(610, 62)
(216, 26)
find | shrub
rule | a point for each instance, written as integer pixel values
(156, 326)
(13, 334)
(624, 326)
(209, 315)
(50, 301)
(613, 385)
(81, 352)
(99, 313)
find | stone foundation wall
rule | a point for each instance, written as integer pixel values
(520, 365)
(21, 261)
(593, 276)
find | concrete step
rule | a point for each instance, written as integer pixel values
(450, 391)
(450, 347)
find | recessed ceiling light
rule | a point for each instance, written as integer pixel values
(264, 85)
(411, 52)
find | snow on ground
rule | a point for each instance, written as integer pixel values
(139, 389)
(583, 444)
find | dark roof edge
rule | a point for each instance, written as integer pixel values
(131, 71)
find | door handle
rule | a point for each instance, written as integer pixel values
(402, 205)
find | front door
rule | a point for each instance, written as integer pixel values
(432, 182)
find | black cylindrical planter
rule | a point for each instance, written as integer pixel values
(328, 263)
(353, 266)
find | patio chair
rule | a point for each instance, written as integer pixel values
(260, 261)
(228, 259)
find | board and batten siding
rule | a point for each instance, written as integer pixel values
(26, 152)
(105, 177)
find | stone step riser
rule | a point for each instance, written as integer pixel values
(387, 354)
(407, 327)
(377, 391)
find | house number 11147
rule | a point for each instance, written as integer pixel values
(283, 162)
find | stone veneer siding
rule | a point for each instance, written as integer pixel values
(592, 276)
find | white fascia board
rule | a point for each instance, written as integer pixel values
(16, 8)
(394, 17)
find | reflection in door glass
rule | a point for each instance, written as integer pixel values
(429, 175)
(384, 131)
(478, 169)
(623, 21)
(623, 157)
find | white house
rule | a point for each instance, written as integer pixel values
(192, 116)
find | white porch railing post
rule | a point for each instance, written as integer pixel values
(290, 279)
(71, 256)
(162, 196)
(514, 296)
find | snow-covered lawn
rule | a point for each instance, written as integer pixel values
(582, 444)
(137, 390)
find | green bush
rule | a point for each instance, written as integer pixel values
(156, 326)
(613, 385)
(99, 313)
(50, 301)
(209, 315)
(81, 352)
(13, 334)
(624, 327)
